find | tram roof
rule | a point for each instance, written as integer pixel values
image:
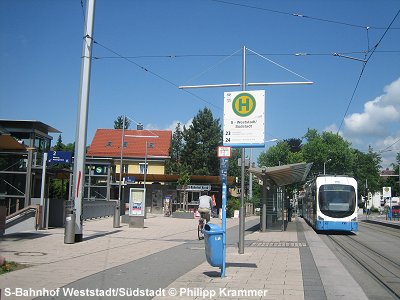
(284, 175)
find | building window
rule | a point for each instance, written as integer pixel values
(109, 144)
(125, 168)
(142, 168)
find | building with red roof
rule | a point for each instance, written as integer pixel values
(134, 154)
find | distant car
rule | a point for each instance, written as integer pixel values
(396, 211)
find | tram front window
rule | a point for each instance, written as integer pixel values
(336, 200)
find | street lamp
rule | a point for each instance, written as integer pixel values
(118, 206)
(325, 163)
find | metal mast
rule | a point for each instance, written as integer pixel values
(81, 125)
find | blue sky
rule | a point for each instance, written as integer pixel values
(188, 42)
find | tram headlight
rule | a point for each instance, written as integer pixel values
(320, 218)
(354, 219)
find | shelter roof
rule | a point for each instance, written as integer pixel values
(26, 125)
(284, 175)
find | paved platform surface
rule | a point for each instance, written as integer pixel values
(165, 260)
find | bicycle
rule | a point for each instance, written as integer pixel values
(200, 227)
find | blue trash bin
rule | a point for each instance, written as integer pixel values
(213, 239)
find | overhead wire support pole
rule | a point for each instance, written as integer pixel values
(208, 86)
(81, 122)
(241, 211)
(278, 83)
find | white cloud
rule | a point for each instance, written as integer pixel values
(171, 126)
(378, 114)
(333, 128)
(376, 126)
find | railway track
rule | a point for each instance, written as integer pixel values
(383, 269)
(383, 229)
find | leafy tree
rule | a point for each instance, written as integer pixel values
(118, 123)
(59, 145)
(202, 138)
(329, 149)
(232, 205)
(184, 178)
(294, 144)
(394, 181)
(366, 170)
(174, 164)
(233, 167)
(275, 156)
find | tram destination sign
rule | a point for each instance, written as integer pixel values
(244, 119)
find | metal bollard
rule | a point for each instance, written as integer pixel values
(116, 216)
(69, 233)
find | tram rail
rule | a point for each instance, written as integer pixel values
(383, 269)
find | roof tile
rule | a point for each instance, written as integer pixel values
(107, 143)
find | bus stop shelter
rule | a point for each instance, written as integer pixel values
(273, 198)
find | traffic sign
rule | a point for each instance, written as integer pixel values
(244, 119)
(224, 152)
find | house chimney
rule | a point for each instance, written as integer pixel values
(139, 126)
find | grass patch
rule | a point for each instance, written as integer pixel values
(10, 266)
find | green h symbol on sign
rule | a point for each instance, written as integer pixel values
(244, 104)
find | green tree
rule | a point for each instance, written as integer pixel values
(294, 144)
(329, 149)
(174, 164)
(59, 145)
(233, 167)
(393, 181)
(275, 156)
(119, 122)
(366, 171)
(202, 138)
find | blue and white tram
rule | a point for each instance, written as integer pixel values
(330, 203)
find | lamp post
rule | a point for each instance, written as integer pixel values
(325, 163)
(118, 205)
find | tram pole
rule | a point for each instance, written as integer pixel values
(81, 125)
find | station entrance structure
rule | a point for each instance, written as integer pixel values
(275, 205)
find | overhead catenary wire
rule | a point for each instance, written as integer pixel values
(225, 56)
(153, 73)
(213, 66)
(275, 63)
(363, 68)
(390, 146)
(300, 15)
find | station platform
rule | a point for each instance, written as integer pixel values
(165, 260)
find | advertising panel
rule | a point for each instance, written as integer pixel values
(137, 198)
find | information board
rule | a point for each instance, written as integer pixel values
(244, 119)
(59, 157)
(137, 198)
